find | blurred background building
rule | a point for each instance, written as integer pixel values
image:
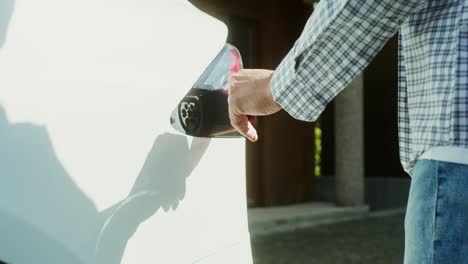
(350, 156)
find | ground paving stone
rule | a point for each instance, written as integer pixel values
(376, 240)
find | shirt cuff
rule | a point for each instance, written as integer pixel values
(287, 89)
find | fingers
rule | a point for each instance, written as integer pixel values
(239, 120)
(241, 123)
(244, 74)
(239, 77)
(235, 83)
(249, 95)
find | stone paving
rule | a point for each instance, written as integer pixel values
(374, 240)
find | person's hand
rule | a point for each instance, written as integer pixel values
(250, 94)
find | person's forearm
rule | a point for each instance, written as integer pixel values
(338, 42)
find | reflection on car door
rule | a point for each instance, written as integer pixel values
(91, 170)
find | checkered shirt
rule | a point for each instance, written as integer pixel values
(343, 36)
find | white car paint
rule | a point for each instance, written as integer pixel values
(90, 169)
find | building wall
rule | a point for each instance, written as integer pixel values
(280, 165)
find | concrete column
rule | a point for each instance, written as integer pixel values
(349, 145)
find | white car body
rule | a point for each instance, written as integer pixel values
(90, 169)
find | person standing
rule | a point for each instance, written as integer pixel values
(339, 40)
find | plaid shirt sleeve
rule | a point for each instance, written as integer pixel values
(338, 42)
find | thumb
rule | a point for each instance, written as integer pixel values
(242, 124)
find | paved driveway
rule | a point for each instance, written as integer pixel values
(375, 240)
